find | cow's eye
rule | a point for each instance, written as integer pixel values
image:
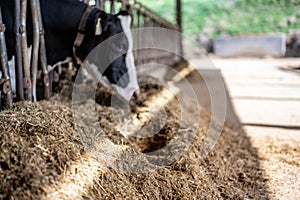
(122, 47)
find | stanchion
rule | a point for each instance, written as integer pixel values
(5, 85)
(26, 65)
(35, 48)
(18, 56)
(42, 54)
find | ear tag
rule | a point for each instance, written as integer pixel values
(98, 27)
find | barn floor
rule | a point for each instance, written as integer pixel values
(264, 100)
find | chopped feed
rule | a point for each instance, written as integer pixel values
(43, 157)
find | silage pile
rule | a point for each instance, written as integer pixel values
(42, 156)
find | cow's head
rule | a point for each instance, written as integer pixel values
(108, 41)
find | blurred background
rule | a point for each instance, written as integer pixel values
(206, 20)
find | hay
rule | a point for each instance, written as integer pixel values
(279, 153)
(37, 141)
(42, 156)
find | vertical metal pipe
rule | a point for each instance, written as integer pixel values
(26, 65)
(3, 52)
(35, 48)
(124, 3)
(18, 56)
(100, 4)
(112, 7)
(42, 53)
(5, 84)
(138, 19)
(179, 23)
(97, 4)
(138, 38)
(178, 14)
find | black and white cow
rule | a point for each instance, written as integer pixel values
(61, 20)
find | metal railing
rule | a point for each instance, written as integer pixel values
(27, 76)
(26, 73)
(5, 85)
(143, 17)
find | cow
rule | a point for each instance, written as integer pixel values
(64, 38)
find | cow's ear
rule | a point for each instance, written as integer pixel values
(106, 27)
(102, 14)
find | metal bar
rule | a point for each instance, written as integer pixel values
(124, 3)
(5, 84)
(26, 66)
(97, 4)
(138, 38)
(138, 19)
(179, 23)
(134, 5)
(4, 60)
(178, 14)
(145, 11)
(42, 53)
(35, 47)
(112, 7)
(100, 4)
(18, 56)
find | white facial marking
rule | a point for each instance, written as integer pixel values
(132, 86)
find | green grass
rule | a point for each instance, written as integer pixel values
(215, 17)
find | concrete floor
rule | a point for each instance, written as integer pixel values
(262, 93)
(263, 100)
(259, 93)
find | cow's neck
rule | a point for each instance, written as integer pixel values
(61, 27)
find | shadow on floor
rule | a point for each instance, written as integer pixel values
(240, 165)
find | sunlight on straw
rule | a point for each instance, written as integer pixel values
(83, 173)
(183, 73)
(154, 104)
(77, 179)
